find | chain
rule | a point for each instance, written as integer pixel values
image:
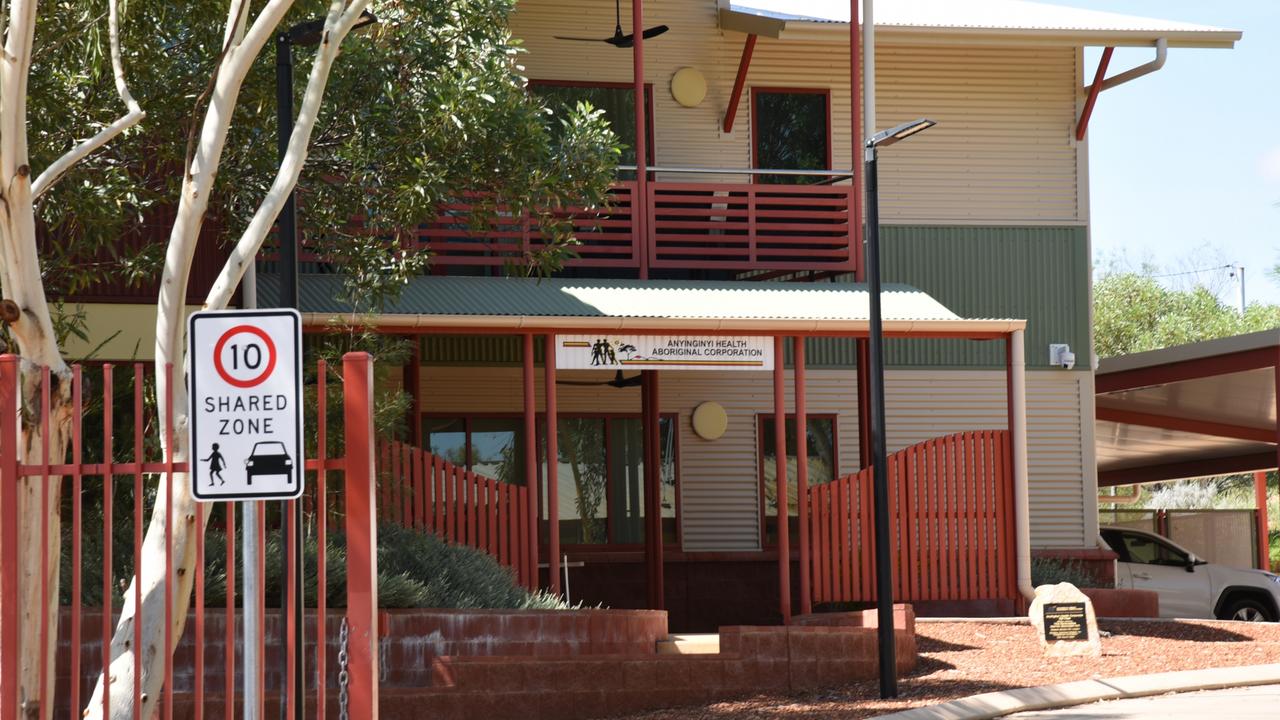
(344, 678)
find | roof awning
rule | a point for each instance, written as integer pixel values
(561, 304)
(1194, 410)
(991, 20)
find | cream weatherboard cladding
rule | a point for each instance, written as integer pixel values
(1003, 151)
(719, 479)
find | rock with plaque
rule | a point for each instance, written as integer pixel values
(1064, 621)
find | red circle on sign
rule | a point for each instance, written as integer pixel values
(222, 341)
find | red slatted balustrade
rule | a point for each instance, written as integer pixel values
(458, 505)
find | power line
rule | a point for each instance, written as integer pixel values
(1194, 272)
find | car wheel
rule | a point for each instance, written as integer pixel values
(1247, 610)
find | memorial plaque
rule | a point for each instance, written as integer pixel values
(1065, 621)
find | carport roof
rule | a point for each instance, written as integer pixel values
(1194, 410)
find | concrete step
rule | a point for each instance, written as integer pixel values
(690, 645)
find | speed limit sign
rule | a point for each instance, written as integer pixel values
(245, 404)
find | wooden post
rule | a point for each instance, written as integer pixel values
(553, 462)
(530, 466)
(780, 475)
(362, 535)
(802, 470)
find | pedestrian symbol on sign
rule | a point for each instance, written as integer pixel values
(246, 404)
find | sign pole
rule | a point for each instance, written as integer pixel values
(249, 555)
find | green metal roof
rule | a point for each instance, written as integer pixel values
(572, 297)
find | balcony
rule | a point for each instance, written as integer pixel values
(745, 227)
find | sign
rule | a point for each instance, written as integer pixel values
(1065, 621)
(663, 352)
(245, 404)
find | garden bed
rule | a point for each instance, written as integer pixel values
(965, 658)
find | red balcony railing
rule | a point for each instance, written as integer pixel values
(688, 225)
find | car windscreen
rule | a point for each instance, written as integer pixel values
(269, 448)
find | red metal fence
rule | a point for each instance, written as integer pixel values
(116, 482)
(421, 491)
(951, 509)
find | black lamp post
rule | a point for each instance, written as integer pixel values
(307, 33)
(879, 459)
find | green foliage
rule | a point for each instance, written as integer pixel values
(425, 106)
(415, 570)
(1134, 313)
(1050, 571)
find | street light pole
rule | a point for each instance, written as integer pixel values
(879, 454)
(307, 34)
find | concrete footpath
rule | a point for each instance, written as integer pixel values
(1250, 703)
(1046, 697)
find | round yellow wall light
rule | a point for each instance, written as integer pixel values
(710, 421)
(688, 87)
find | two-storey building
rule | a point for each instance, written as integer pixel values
(734, 239)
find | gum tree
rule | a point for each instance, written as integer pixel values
(436, 108)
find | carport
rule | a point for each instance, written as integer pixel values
(1190, 411)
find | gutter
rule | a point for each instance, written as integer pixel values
(659, 325)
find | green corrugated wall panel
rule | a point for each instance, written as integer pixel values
(1040, 274)
(476, 350)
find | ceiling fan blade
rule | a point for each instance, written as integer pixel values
(582, 39)
(584, 383)
(626, 41)
(655, 31)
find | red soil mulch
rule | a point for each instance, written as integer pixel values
(961, 659)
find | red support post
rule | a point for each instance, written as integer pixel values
(1082, 127)
(553, 463)
(739, 82)
(780, 477)
(530, 465)
(10, 650)
(640, 203)
(362, 535)
(802, 471)
(1264, 523)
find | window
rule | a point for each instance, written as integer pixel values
(791, 130)
(1149, 551)
(490, 446)
(600, 480)
(822, 468)
(617, 100)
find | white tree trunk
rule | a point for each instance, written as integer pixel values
(243, 46)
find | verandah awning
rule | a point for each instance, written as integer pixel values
(523, 304)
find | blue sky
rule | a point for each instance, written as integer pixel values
(1185, 163)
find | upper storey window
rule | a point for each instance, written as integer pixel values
(791, 128)
(617, 100)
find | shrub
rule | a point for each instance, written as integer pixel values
(415, 570)
(1051, 571)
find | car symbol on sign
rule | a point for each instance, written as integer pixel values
(268, 458)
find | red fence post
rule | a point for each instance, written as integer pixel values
(362, 535)
(9, 627)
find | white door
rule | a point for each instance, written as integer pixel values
(1155, 565)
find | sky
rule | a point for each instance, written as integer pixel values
(1184, 164)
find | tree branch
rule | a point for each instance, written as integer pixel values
(59, 167)
(337, 24)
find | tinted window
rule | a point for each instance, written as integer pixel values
(791, 134)
(1149, 551)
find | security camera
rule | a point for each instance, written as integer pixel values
(1068, 360)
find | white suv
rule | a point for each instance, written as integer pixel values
(1188, 586)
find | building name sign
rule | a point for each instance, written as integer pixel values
(663, 352)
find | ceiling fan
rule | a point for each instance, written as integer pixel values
(618, 39)
(618, 381)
